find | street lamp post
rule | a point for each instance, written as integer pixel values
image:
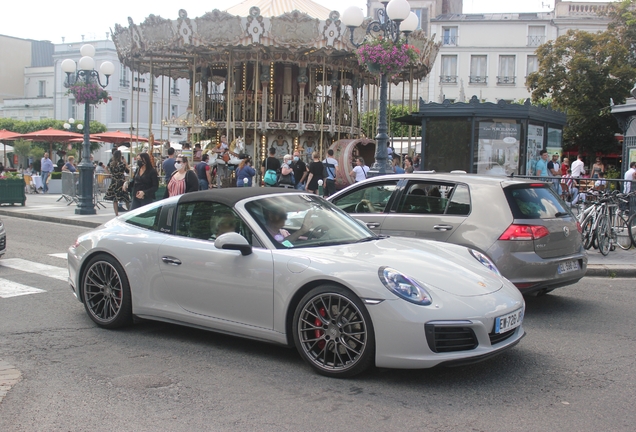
(84, 71)
(388, 20)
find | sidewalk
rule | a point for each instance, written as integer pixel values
(45, 207)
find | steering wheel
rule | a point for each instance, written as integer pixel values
(317, 232)
(362, 207)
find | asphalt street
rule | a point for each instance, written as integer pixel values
(574, 371)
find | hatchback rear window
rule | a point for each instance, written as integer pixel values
(530, 202)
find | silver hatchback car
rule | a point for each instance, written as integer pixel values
(521, 225)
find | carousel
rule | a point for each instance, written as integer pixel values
(287, 79)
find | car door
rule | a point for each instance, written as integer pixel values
(216, 283)
(428, 209)
(369, 201)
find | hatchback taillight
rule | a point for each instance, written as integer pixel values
(524, 232)
(579, 228)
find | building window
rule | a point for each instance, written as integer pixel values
(478, 69)
(449, 36)
(422, 16)
(155, 112)
(123, 76)
(174, 111)
(536, 35)
(449, 69)
(41, 88)
(72, 109)
(506, 70)
(174, 89)
(533, 64)
(124, 110)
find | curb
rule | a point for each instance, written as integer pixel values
(53, 219)
(611, 270)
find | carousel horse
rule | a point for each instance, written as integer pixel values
(237, 147)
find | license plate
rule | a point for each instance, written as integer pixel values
(508, 322)
(568, 266)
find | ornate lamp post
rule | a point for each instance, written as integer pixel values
(86, 74)
(388, 20)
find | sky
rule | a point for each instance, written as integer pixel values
(51, 20)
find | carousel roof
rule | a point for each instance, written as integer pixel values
(302, 35)
(272, 8)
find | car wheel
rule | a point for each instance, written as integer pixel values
(106, 292)
(333, 332)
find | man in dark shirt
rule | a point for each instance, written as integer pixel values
(300, 171)
(203, 172)
(168, 164)
(271, 163)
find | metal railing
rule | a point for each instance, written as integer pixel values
(448, 79)
(534, 41)
(449, 40)
(506, 80)
(477, 79)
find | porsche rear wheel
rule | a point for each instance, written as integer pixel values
(106, 292)
(333, 332)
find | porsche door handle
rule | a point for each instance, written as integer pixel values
(171, 261)
(372, 225)
(443, 227)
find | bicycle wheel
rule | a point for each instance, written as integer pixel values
(631, 228)
(621, 230)
(586, 232)
(603, 235)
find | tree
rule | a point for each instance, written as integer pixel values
(396, 129)
(581, 72)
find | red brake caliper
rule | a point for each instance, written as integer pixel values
(318, 323)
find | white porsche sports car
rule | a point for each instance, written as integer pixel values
(290, 268)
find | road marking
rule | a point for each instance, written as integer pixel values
(60, 273)
(14, 289)
(59, 255)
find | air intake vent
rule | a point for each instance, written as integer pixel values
(442, 339)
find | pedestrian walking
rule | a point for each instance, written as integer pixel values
(145, 182)
(116, 192)
(46, 168)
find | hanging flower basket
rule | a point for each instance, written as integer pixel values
(381, 55)
(90, 93)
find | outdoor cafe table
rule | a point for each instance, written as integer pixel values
(37, 181)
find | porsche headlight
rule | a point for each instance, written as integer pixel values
(404, 287)
(485, 261)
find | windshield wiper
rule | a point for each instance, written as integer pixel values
(561, 214)
(366, 239)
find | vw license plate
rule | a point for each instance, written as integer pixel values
(508, 322)
(568, 266)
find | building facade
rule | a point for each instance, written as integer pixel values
(490, 55)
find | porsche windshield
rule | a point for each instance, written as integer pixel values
(293, 221)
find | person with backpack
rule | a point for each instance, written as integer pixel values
(330, 164)
(270, 169)
(360, 171)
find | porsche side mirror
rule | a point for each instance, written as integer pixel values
(233, 241)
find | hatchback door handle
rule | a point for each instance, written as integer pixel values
(443, 227)
(171, 261)
(373, 225)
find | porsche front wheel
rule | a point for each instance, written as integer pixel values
(333, 332)
(106, 292)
